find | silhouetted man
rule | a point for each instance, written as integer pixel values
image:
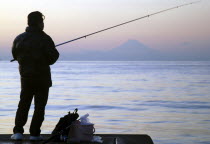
(35, 51)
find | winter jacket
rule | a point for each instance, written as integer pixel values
(35, 51)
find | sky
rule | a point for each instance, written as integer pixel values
(181, 30)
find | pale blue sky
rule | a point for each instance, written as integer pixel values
(68, 19)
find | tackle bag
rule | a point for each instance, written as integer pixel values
(61, 130)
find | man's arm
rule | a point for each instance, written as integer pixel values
(51, 52)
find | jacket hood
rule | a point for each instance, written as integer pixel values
(33, 29)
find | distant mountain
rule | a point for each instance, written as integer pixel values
(131, 50)
(134, 50)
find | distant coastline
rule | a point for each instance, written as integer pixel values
(131, 50)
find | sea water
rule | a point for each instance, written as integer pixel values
(168, 100)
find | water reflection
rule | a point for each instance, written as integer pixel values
(167, 100)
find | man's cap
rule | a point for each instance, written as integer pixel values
(34, 18)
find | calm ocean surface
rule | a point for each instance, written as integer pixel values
(170, 101)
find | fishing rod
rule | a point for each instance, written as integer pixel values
(146, 16)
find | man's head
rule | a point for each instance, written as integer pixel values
(36, 18)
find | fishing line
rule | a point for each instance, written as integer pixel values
(146, 16)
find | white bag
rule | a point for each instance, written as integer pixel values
(80, 131)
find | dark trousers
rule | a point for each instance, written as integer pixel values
(37, 89)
